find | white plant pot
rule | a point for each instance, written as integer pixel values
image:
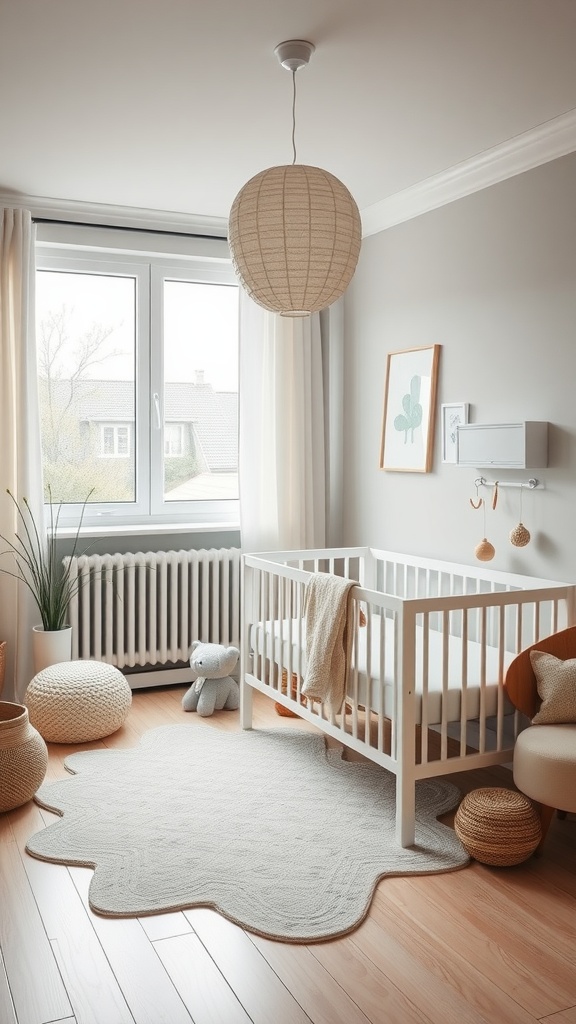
(49, 647)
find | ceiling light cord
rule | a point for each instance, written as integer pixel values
(293, 117)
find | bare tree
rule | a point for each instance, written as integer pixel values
(65, 367)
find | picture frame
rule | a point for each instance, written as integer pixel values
(409, 410)
(452, 415)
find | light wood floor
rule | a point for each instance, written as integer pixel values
(476, 945)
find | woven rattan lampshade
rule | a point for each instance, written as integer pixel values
(294, 235)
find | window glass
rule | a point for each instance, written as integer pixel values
(138, 376)
(200, 391)
(85, 335)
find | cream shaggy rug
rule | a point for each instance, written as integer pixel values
(268, 827)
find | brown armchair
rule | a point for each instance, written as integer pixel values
(544, 754)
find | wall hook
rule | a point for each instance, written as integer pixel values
(479, 500)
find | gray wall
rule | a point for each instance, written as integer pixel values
(492, 279)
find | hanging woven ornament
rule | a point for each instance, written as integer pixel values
(520, 536)
(484, 551)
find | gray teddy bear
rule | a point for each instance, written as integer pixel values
(214, 689)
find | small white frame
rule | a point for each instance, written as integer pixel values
(453, 415)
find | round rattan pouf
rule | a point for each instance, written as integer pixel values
(499, 827)
(78, 701)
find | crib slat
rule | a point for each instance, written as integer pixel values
(425, 682)
(300, 645)
(363, 640)
(445, 676)
(381, 693)
(482, 741)
(501, 695)
(464, 684)
(519, 629)
(354, 683)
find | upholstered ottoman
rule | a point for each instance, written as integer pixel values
(78, 701)
(545, 765)
(497, 826)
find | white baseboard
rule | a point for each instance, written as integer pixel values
(160, 677)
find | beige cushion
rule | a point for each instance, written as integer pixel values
(545, 765)
(556, 682)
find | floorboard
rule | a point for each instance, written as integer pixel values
(259, 988)
(36, 986)
(92, 988)
(147, 988)
(7, 1011)
(202, 987)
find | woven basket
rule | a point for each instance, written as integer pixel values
(2, 665)
(23, 756)
(280, 709)
(499, 827)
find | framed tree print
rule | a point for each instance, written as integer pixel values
(409, 408)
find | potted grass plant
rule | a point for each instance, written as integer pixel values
(51, 582)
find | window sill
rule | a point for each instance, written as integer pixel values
(150, 530)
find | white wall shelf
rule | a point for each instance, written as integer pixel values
(503, 445)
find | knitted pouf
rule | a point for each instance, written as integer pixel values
(498, 826)
(78, 701)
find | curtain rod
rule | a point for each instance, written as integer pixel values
(125, 227)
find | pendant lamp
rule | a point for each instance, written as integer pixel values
(294, 230)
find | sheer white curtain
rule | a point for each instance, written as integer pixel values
(20, 451)
(284, 445)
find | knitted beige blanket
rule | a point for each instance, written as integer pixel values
(328, 638)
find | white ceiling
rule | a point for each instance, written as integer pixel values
(171, 105)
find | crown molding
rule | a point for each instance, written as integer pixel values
(548, 141)
(116, 216)
(539, 145)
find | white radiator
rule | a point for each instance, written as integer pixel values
(146, 608)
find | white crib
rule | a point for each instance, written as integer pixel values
(431, 644)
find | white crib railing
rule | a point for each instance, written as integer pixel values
(433, 641)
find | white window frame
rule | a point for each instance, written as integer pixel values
(150, 259)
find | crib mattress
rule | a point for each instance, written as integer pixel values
(272, 639)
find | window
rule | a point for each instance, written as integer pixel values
(138, 375)
(173, 439)
(115, 442)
